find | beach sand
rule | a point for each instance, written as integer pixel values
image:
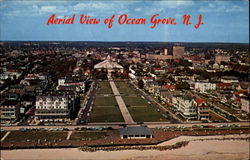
(195, 150)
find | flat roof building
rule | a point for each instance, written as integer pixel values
(178, 52)
(135, 133)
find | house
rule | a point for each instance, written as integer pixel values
(204, 86)
(18, 89)
(135, 133)
(222, 58)
(244, 104)
(159, 70)
(10, 73)
(229, 79)
(75, 84)
(9, 111)
(203, 109)
(151, 86)
(224, 86)
(244, 86)
(170, 87)
(147, 79)
(166, 92)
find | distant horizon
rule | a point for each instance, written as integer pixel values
(119, 41)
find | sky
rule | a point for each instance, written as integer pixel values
(224, 21)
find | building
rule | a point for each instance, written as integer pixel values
(135, 133)
(165, 51)
(222, 58)
(75, 84)
(186, 106)
(109, 65)
(229, 79)
(158, 56)
(11, 74)
(191, 108)
(55, 106)
(9, 111)
(202, 109)
(204, 86)
(178, 52)
(244, 104)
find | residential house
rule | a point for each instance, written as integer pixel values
(9, 111)
(203, 109)
(204, 86)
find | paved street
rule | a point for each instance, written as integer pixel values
(119, 125)
(85, 106)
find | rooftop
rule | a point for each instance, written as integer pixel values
(135, 131)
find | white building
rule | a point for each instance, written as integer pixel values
(191, 108)
(204, 86)
(222, 58)
(9, 111)
(186, 106)
(76, 84)
(244, 104)
(54, 108)
(229, 79)
(109, 65)
(12, 74)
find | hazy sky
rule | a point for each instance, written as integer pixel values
(224, 21)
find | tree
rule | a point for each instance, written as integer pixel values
(140, 84)
(182, 86)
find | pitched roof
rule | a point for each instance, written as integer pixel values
(169, 86)
(200, 101)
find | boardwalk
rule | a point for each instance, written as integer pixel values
(125, 113)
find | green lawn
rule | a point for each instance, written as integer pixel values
(104, 88)
(124, 88)
(2, 133)
(104, 84)
(106, 114)
(105, 107)
(145, 114)
(105, 101)
(244, 116)
(91, 135)
(134, 101)
(215, 117)
(224, 107)
(18, 136)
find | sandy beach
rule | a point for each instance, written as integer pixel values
(195, 150)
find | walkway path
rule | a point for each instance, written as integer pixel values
(69, 135)
(5, 136)
(124, 110)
